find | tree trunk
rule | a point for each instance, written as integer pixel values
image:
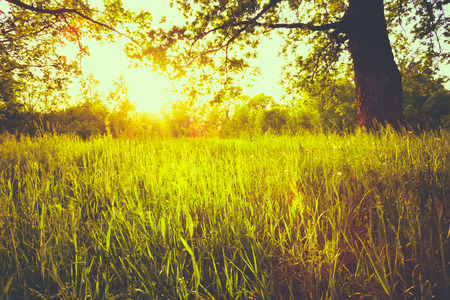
(377, 78)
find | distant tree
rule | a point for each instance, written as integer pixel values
(426, 101)
(215, 116)
(15, 116)
(260, 101)
(242, 118)
(271, 120)
(228, 97)
(121, 116)
(334, 100)
(10, 108)
(12, 115)
(255, 115)
(326, 28)
(436, 109)
(9, 89)
(149, 125)
(87, 117)
(302, 118)
(241, 121)
(178, 118)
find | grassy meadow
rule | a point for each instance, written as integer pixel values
(358, 216)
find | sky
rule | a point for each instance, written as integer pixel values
(148, 90)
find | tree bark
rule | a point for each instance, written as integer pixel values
(377, 78)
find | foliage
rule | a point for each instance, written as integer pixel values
(121, 116)
(334, 102)
(330, 109)
(29, 57)
(85, 119)
(178, 118)
(426, 101)
(437, 109)
(32, 71)
(271, 120)
(148, 125)
(302, 118)
(307, 217)
(92, 115)
(10, 113)
(227, 28)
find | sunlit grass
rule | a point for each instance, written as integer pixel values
(308, 217)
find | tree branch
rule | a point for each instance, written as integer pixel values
(272, 3)
(253, 22)
(80, 45)
(308, 26)
(63, 11)
(35, 33)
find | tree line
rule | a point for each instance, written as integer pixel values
(328, 105)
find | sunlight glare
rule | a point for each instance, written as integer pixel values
(147, 89)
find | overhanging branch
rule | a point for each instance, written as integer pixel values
(64, 11)
(308, 26)
(253, 21)
(243, 25)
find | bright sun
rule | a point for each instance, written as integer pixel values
(147, 89)
(107, 62)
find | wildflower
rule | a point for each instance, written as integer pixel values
(339, 174)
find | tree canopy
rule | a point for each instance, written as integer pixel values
(216, 33)
(32, 32)
(219, 36)
(319, 26)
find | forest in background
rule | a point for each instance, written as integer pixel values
(327, 106)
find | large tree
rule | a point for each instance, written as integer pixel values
(325, 28)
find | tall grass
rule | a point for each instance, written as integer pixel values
(311, 217)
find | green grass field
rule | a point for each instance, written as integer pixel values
(359, 216)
